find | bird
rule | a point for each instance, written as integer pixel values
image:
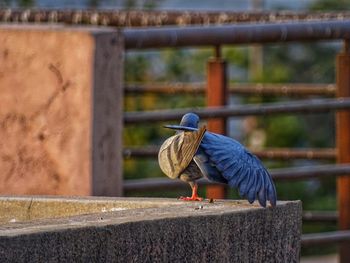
(193, 153)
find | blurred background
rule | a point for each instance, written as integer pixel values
(312, 63)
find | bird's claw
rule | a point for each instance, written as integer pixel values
(192, 198)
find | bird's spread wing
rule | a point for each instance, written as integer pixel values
(207, 167)
(177, 152)
(239, 167)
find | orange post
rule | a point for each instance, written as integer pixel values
(216, 95)
(343, 147)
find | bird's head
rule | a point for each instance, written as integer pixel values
(189, 122)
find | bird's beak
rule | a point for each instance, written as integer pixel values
(181, 128)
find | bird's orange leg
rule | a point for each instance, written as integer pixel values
(194, 196)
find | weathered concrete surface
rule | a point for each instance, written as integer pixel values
(61, 110)
(25, 208)
(175, 231)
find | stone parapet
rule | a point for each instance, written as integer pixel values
(155, 230)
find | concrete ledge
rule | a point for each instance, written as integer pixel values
(160, 230)
(28, 208)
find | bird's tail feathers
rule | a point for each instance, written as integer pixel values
(271, 192)
(268, 190)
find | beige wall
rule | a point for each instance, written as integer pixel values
(60, 110)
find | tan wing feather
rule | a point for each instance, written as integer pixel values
(177, 152)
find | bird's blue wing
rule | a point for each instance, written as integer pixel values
(238, 167)
(207, 167)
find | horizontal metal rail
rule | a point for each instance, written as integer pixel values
(236, 34)
(295, 89)
(325, 238)
(286, 174)
(301, 106)
(301, 173)
(320, 216)
(269, 153)
(148, 184)
(141, 152)
(133, 18)
(286, 154)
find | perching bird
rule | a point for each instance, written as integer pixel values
(193, 153)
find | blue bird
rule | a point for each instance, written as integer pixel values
(194, 152)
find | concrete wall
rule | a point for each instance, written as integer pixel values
(160, 230)
(60, 110)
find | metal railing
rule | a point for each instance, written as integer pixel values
(297, 90)
(285, 174)
(325, 238)
(307, 106)
(248, 34)
(267, 153)
(137, 18)
(235, 34)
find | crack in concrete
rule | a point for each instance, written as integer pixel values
(14, 122)
(9, 159)
(62, 87)
(57, 72)
(29, 208)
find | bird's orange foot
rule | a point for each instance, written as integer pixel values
(192, 198)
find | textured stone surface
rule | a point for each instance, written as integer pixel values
(60, 114)
(25, 208)
(169, 231)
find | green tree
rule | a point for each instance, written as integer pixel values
(330, 5)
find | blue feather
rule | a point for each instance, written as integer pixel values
(252, 188)
(238, 167)
(208, 169)
(243, 184)
(234, 180)
(250, 183)
(262, 190)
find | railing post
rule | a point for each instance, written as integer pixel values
(343, 147)
(216, 95)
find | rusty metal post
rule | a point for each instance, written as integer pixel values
(216, 95)
(343, 147)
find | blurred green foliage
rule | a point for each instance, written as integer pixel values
(330, 5)
(286, 131)
(18, 3)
